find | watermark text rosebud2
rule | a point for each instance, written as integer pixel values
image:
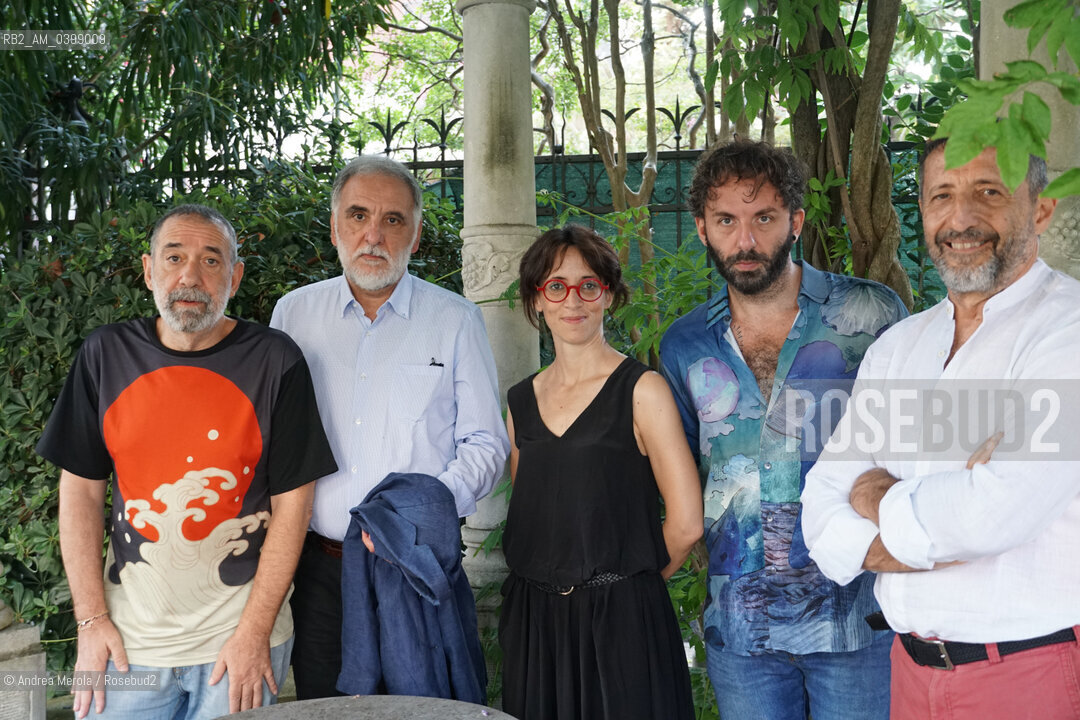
(944, 420)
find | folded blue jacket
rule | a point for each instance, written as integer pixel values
(409, 625)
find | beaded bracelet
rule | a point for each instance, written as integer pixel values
(89, 622)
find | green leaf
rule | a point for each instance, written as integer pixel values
(1068, 183)
(1037, 31)
(1032, 140)
(1055, 36)
(710, 75)
(963, 43)
(1037, 114)
(1025, 14)
(1072, 40)
(1067, 85)
(733, 103)
(755, 99)
(1013, 151)
(962, 148)
(1026, 70)
(829, 12)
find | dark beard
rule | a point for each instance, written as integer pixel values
(757, 281)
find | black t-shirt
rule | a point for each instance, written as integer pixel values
(196, 444)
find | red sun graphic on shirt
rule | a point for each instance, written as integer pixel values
(186, 423)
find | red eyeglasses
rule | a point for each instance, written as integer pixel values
(556, 290)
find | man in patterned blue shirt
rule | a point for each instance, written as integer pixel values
(746, 366)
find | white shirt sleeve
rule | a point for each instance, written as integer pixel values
(837, 536)
(480, 435)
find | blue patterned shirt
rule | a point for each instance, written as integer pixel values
(765, 594)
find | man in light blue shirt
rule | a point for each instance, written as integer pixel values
(405, 382)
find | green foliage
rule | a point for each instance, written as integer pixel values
(185, 85)
(1004, 113)
(818, 206)
(688, 589)
(50, 301)
(927, 287)
(912, 106)
(90, 275)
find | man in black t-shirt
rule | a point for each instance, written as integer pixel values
(209, 429)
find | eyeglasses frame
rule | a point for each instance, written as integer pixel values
(542, 289)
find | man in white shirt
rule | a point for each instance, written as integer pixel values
(405, 381)
(976, 556)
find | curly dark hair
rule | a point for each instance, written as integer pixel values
(547, 252)
(747, 160)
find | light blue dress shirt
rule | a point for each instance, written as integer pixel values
(412, 391)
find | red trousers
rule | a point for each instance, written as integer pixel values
(1039, 684)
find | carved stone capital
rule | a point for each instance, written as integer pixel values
(490, 260)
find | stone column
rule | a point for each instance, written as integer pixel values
(1060, 245)
(500, 217)
(21, 656)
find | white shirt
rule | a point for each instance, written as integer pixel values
(1015, 523)
(413, 390)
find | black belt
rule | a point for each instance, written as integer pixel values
(597, 580)
(945, 655)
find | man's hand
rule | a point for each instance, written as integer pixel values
(981, 456)
(97, 643)
(246, 657)
(366, 539)
(868, 490)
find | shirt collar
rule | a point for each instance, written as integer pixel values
(399, 301)
(814, 286)
(1021, 288)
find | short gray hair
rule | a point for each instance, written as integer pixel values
(377, 165)
(208, 214)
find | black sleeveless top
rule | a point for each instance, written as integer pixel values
(585, 502)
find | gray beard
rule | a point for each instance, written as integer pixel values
(1006, 255)
(374, 281)
(977, 278)
(189, 321)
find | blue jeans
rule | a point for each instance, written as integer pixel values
(781, 686)
(183, 693)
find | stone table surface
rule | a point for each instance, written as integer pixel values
(374, 707)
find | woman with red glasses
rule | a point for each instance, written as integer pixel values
(587, 629)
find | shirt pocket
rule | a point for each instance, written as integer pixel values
(414, 388)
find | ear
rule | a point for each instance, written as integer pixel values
(699, 222)
(1044, 213)
(333, 229)
(237, 275)
(147, 266)
(416, 240)
(797, 219)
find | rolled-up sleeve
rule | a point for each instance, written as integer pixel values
(837, 536)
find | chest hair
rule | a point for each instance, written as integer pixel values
(761, 350)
